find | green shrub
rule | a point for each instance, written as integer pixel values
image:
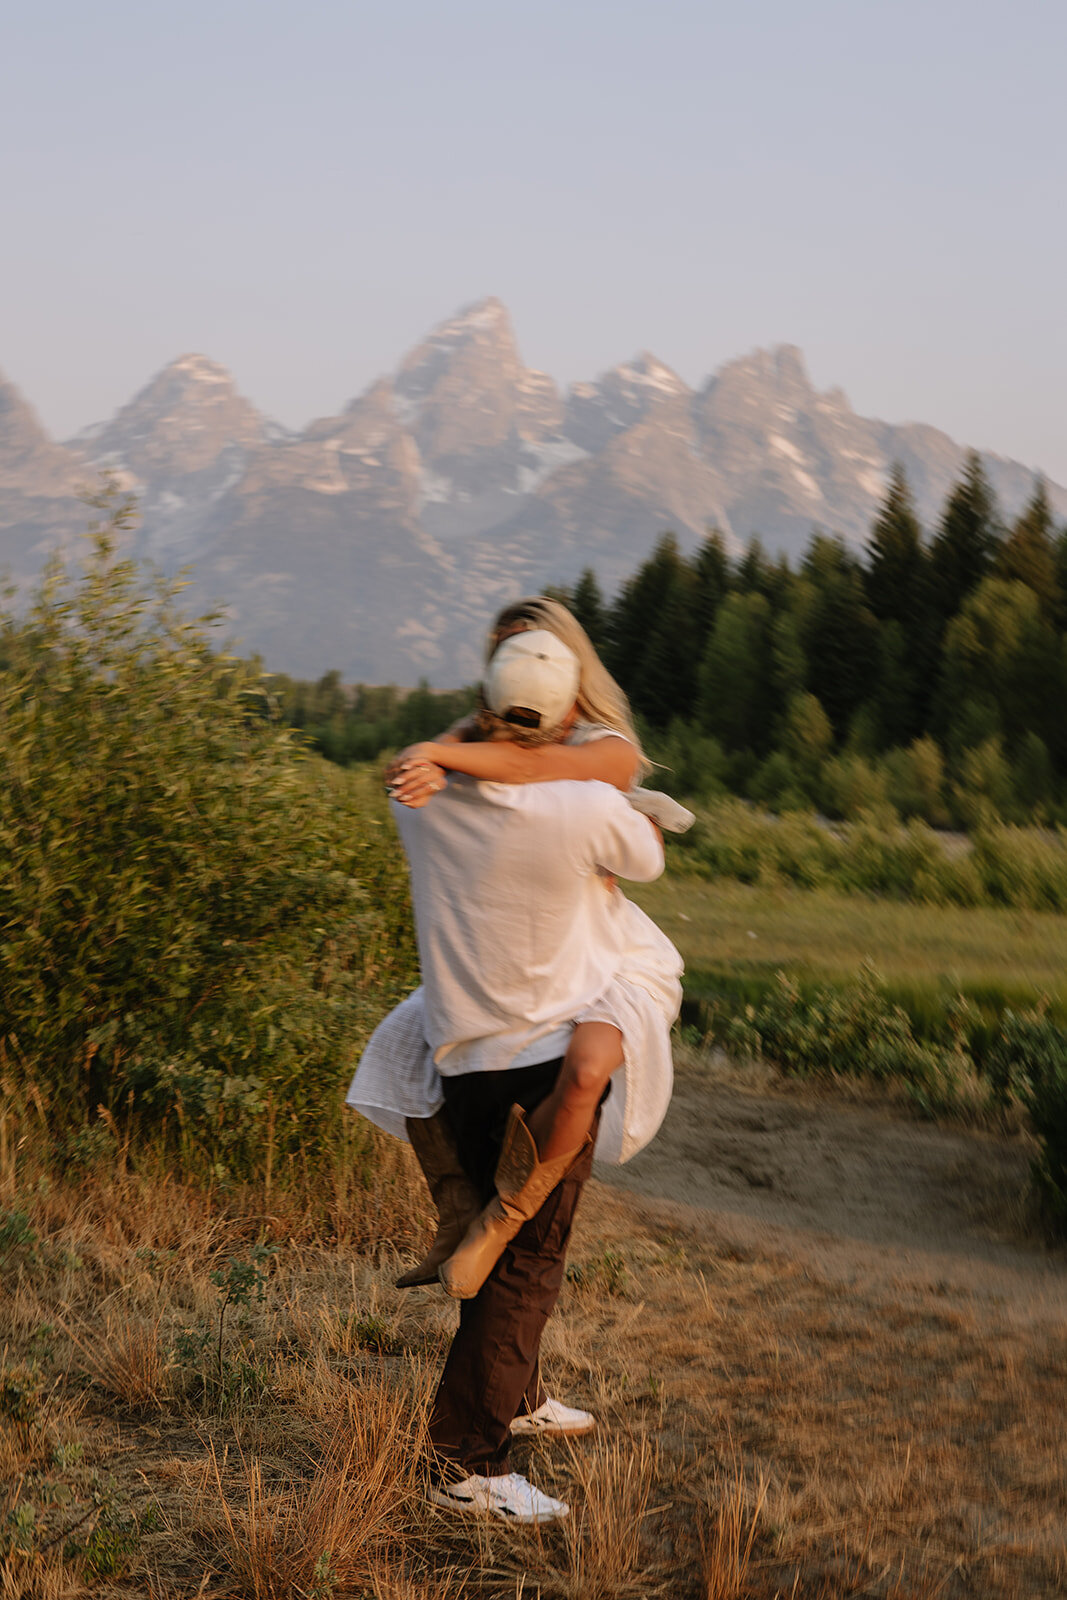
(689, 762)
(1022, 867)
(777, 783)
(915, 780)
(735, 841)
(875, 854)
(880, 857)
(983, 790)
(1031, 1055)
(198, 922)
(855, 1031)
(852, 786)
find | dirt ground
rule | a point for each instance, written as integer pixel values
(865, 1192)
(881, 1335)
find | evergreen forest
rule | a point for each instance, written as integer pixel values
(925, 675)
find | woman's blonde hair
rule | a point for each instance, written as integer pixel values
(600, 700)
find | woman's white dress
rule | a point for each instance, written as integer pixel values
(397, 1078)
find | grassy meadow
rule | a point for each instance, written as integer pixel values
(750, 930)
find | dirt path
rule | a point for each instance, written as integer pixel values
(867, 1193)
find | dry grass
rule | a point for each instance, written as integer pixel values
(335, 1528)
(727, 1534)
(763, 1432)
(42, 1577)
(126, 1358)
(39, 1426)
(609, 1547)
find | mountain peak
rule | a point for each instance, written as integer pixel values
(30, 460)
(464, 392)
(789, 363)
(776, 366)
(484, 327)
(650, 372)
(619, 398)
(199, 368)
(488, 313)
(180, 422)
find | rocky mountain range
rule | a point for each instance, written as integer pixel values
(380, 541)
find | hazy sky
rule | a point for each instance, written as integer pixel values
(301, 188)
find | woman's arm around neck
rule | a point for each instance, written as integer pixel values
(611, 759)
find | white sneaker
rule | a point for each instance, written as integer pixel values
(554, 1418)
(511, 1498)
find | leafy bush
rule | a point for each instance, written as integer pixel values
(1022, 867)
(734, 841)
(852, 785)
(877, 855)
(855, 1030)
(915, 780)
(198, 922)
(777, 784)
(1031, 1053)
(984, 790)
(688, 762)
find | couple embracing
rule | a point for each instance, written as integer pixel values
(541, 1030)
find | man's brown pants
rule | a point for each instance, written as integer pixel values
(492, 1371)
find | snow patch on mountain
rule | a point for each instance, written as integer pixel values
(548, 457)
(872, 480)
(434, 487)
(785, 447)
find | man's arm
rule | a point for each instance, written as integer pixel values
(622, 841)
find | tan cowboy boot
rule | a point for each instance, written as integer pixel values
(455, 1196)
(523, 1184)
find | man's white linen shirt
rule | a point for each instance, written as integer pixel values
(516, 929)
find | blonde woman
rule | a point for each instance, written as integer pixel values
(621, 1040)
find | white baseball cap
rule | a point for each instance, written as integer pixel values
(532, 679)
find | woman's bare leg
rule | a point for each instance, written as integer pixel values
(560, 1123)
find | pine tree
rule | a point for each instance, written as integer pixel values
(896, 563)
(711, 584)
(735, 698)
(668, 676)
(897, 582)
(587, 604)
(1029, 555)
(840, 633)
(902, 696)
(651, 649)
(636, 608)
(755, 573)
(967, 541)
(1059, 554)
(789, 663)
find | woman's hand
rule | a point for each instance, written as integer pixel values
(413, 777)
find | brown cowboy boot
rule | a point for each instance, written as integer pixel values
(455, 1196)
(523, 1184)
